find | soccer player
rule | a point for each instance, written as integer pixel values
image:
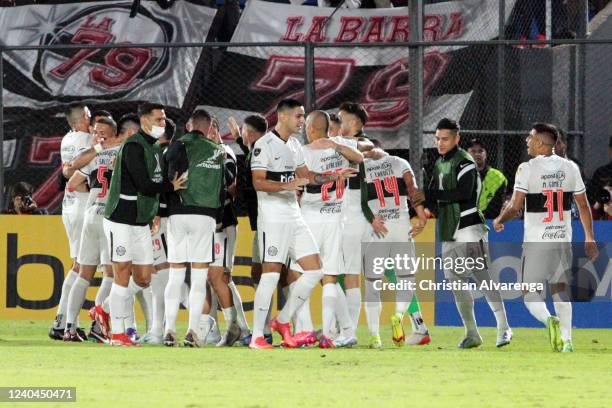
(387, 184)
(279, 171)
(253, 128)
(73, 205)
(353, 118)
(321, 207)
(94, 248)
(544, 186)
(132, 204)
(454, 193)
(191, 223)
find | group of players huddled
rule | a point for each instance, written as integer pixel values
(147, 206)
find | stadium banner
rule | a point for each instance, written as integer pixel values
(34, 257)
(590, 283)
(376, 77)
(45, 78)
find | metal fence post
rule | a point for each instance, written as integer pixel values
(415, 58)
(309, 77)
(580, 124)
(501, 83)
(2, 128)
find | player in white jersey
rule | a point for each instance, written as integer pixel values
(321, 207)
(353, 118)
(73, 205)
(544, 187)
(389, 182)
(93, 249)
(278, 171)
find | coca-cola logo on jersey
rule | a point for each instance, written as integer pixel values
(94, 72)
(554, 233)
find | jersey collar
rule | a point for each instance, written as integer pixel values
(279, 136)
(451, 153)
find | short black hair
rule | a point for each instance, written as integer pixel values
(355, 109)
(126, 119)
(170, 129)
(286, 104)
(448, 124)
(548, 129)
(200, 115)
(148, 107)
(333, 117)
(109, 122)
(476, 142)
(100, 112)
(257, 122)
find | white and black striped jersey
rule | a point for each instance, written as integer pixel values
(549, 182)
(99, 172)
(72, 144)
(280, 160)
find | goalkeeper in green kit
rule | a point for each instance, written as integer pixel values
(453, 195)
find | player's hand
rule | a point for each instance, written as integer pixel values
(419, 226)
(155, 225)
(179, 182)
(591, 250)
(296, 184)
(347, 173)
(234, 128)
(498, 226)
(213, 132)
(375, 154)
(323, 143)
(378, 225)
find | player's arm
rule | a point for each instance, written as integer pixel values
(512, 210)
(320, 178)
(261, 183)
(350, 153)
(417, 199)
(77, 180)
(466, 180)
(364, 144)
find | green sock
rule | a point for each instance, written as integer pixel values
(390, 275)
(340, 279)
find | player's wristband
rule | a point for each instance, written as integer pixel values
(98, 148)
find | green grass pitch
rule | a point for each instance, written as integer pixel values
(524, 374)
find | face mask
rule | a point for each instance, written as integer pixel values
(157, 131)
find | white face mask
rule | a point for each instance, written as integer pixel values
(157, 131)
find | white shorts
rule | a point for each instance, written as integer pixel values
(191, 238)
(94, 246)
(279, 241)
(73, 223)
(328, 237)
(225, 248)
(128, 243)
(353, 232)
(255, 250)
(546, 265)
(160, 243)
(397, 242)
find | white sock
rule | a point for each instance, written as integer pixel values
(286, 293)
(373, 307)
(144, 300)
(353, 301)
(262, 302)
(159, 281)
(564, 313)
(185, 295)
(76, 298)
(205, 326)
(536, 307)
(63, 302)
(172, 296)
(494, 299)
(241, 317)
(118, 313)
(214, 309)
(342, 314)
(266, 329)
(104, 290)
(299, 294)
(465, 306)
(303, 318)
(404, 296)
(229, 314)
(197, 296)
(106, 304)
(328, 306)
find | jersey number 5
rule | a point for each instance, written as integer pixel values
(550, 204)
(103, 181)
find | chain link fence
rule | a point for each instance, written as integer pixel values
(496, 89)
